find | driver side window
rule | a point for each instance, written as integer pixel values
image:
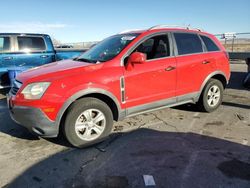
(155, 47)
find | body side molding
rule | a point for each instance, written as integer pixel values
(161, 104)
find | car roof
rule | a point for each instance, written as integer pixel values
(158, 29)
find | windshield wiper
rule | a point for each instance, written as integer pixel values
(85, 60)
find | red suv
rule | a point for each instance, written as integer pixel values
(124, 75)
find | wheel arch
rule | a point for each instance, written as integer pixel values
(100, 94)
(221, 78)
(219, 75)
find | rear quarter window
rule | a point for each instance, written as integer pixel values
(188, 43)
(211, 46)
(31, 43)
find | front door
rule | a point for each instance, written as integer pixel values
(151, 84)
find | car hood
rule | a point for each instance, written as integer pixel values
(53, 70)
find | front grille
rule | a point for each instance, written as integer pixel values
(16, 86)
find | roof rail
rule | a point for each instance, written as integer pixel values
(173, 26)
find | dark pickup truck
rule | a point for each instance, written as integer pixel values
(23, 51)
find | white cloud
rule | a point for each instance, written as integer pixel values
(33, 27)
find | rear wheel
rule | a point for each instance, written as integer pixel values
(211, 96)
(89, 121)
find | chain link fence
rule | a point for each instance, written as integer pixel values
(235, 42)
(78, 45)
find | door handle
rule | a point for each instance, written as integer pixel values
(170, 68)
(44, 56)
(8, 58)
(205, 62)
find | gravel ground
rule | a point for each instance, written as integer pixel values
(178, 147)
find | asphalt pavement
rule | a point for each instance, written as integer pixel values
(175, 147)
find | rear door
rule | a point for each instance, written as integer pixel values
(31, 51)
(213, 55)
(193, 66)
(6, 58)
(153, 80)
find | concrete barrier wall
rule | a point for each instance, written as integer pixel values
(239, 55)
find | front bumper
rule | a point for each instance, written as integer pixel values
(33, 119)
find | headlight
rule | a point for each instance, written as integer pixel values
(35, 90)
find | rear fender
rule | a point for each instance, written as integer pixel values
(208, 78)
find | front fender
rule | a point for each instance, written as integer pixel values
(82, 93)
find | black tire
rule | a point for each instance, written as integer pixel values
(75, 110)
(203, 103)
(246, 81)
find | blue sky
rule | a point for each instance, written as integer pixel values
(91, 20)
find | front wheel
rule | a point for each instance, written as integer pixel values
(89, 121)
(211, 96)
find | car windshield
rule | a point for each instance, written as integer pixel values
(107, 49)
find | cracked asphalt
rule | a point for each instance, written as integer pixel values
(179, 147)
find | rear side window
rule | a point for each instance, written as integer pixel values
(211, 46)
(4, 44)
(188, 43)
(31, 43)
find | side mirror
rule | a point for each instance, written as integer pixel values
(135, 58)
